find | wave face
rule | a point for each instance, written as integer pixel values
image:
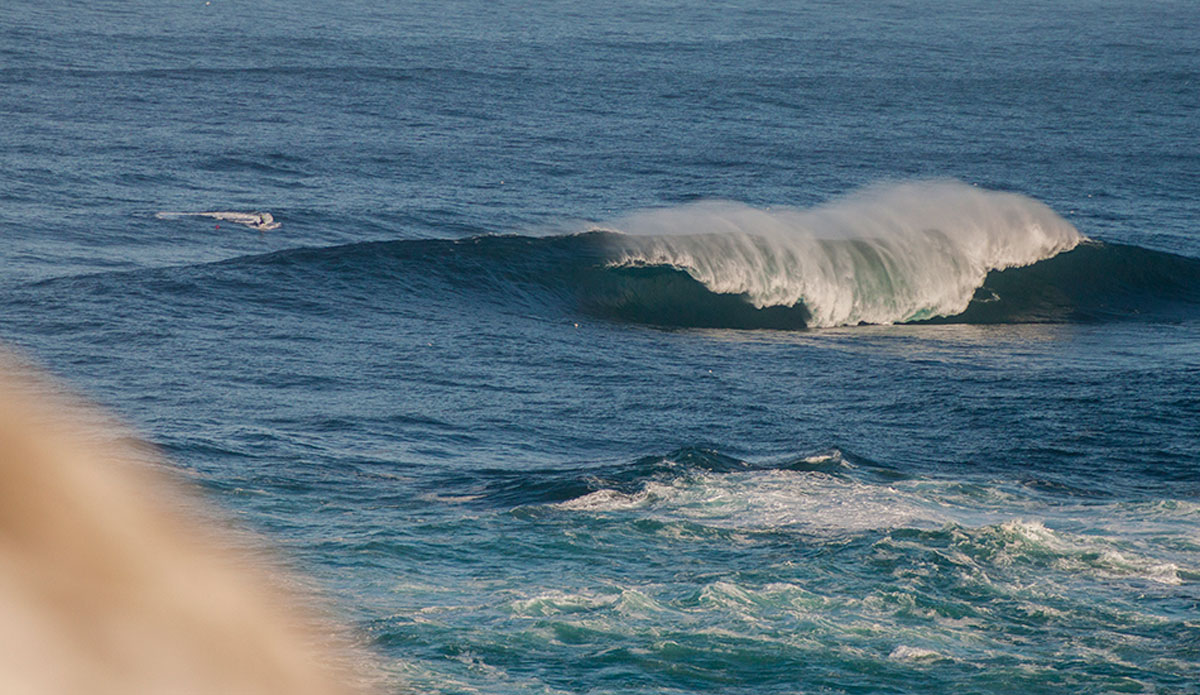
(887, 254)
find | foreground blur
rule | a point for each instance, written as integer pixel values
(114, 580)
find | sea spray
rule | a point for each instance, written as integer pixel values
(886, 254)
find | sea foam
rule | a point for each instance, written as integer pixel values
(886, 254)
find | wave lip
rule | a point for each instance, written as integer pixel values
(888, 254)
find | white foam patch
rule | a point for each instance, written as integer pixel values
(769, 499)
(559, 602)
(623, 601)
(907, 653)
(886, 254)
(1115, 547)
(611, 500)
(1091, 555)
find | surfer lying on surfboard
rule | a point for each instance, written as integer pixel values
(262, 221)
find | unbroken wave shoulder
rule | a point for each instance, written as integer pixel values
(1094, 282)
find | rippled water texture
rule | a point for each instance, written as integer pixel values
(643, 347)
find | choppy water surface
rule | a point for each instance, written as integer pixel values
(645, 348)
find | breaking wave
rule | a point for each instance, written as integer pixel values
(887, 254)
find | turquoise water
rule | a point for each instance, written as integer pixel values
(649, 348)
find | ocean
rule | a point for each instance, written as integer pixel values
(648, 347)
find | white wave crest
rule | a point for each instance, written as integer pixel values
(886, 254)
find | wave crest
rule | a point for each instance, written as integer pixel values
(886, 254)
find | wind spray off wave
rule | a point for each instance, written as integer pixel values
(887, 254)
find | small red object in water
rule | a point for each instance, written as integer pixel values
(218, 226)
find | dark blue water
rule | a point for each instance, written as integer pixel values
(915, 408)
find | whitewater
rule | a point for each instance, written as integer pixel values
(891, 253)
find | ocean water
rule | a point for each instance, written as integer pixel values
(649, 347)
